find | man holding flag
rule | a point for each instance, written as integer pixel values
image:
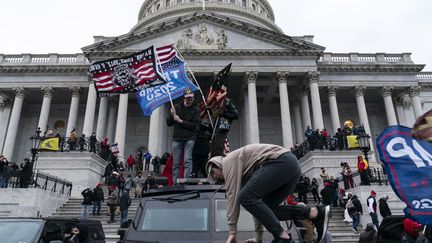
(185, 118)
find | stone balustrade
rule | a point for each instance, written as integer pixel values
(424, 76)
(44, 59)
(364, 58)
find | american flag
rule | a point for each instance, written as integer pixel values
(166, 53)
(217, 92)
(127, 74)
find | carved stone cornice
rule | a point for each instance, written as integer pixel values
(332, 90)
(282, 77)
(359, 90)
(76, 91)
(251, 77)
(414, 91)
(47, 91)
(387, 91)
(312, 77)
(44, 69)
(20, 92)
(370, 68)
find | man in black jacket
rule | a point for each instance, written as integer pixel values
(228, 113)
(98, 198)
(383, 207)
(185, 118)
(87, 202)
(355, 210)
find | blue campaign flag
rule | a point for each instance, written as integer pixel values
(177, 83)
(408, 163)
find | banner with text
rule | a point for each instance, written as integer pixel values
(177, 82)
(408, 163)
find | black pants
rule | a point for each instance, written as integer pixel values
(199, 162)
(268, 187)
(302, 197)
(315, 195)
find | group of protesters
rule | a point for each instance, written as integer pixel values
(21, 174)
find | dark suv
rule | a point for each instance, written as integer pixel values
(193, 214)
(46, 230)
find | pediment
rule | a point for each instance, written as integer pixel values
(204, 32)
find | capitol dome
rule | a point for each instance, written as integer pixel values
(257, 12)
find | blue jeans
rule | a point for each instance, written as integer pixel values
(374, 217)
(356, 220)
(123, 216)
(3, 182)
(177, 148)
(85, 211)
(96, 204)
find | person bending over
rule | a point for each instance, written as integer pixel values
(259, 177)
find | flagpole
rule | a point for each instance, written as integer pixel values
(196, 82)
(163, 76)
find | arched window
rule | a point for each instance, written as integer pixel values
(243, 3)
(254, 6)
(167, 3)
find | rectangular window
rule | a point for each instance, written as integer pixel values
(191, 215)
(245, 222)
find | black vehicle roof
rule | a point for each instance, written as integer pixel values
(35, 219)
(186, 189)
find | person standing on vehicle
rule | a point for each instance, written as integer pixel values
(259, 177)
(98, 198)
(125, 202)
(185, 118)
(372, 208)
(384, 207)
(87, 202)
(113, 202)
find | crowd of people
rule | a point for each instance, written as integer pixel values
(21, 173)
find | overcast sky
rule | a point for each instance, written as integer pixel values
(366, 26)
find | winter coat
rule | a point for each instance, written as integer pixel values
(186, 130)
(128, 183)
(88, 196)
(357, 206)
(98, 194)
(327, 195)
(125, 202)
(113, 199)
(384, 208)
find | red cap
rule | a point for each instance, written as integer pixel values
(373, 192)
(411, 226)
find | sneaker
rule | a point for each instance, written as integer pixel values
(321, 221)
(355, 231)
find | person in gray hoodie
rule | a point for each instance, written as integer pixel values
(260, 177)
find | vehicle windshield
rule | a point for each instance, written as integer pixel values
(189, 215)
(245, 221)
(23, 232)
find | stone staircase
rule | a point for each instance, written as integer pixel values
(340, 230)
(73, 209)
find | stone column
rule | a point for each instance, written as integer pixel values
(73, 112)
(102, 117)
(246, 119)
(155, 142)
(120, 136)
(313, 78)
(305, 110)
(9, 144)
(5, 110)
(414, 92)
(90, 111)
(112, 119)
(334, 112)
(361, 107)
(388, 102)
(282, 78)
(251, 78)
(46, 105)
(298, 124)
(400, 112)
(409, 114)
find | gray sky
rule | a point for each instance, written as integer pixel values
(366, 26)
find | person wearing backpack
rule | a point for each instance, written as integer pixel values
(355, 209)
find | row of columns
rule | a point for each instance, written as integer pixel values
(117, 113)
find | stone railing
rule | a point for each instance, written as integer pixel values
(360, 58)
(424, 76)
(45, 59)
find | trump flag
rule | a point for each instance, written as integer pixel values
(408, 163)
(177, 83)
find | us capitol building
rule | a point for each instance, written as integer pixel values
(280, 83)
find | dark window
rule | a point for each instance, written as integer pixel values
(12, 231)
(244, 3)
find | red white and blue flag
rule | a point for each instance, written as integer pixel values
(128, 74)
(408, 163)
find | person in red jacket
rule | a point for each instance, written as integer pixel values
(362, 167)
(130, 162)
